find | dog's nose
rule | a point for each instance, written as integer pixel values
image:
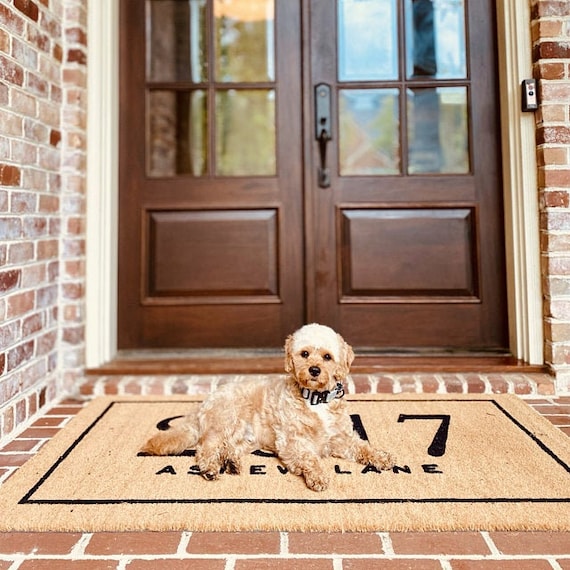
(314, 371)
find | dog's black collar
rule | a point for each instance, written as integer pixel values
(315, 397)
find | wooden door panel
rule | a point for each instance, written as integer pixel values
(408, 255)
(407, 189)
(445, 329)
(226, 256)
(216, 325)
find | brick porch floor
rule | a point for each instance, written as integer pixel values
(285, 551)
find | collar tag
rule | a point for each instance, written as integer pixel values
(315, 397)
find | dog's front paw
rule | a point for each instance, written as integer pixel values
(382, 460)
(232, 466)
(210, 474)
(316, 481)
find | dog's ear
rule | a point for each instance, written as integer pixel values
(346, 359)
(289, 366)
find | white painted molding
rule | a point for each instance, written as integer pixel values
(102, 181)
(520, 185)
(519, 165)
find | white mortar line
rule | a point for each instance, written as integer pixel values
(373, 382)
(487, 382)
(387, 545)
(78, 551)
(418, 384)
(442, 389)
(183, 544)
(490, 544)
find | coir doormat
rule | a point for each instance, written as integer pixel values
(463, 463)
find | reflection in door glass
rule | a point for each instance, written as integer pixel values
(367, 40)
(177, 127)
(244, 32)
(369, 132)
(437, 130)
(177, 41)
(435, 34)
(245, 132)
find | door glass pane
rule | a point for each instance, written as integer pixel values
(438, 130)
(244, 34)
(435, 39)
(178, 139)
(176, 42)
(245, 132)
(369, 132)
(367, 40)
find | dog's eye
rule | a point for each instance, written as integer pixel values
(305, 354)
(327, 356)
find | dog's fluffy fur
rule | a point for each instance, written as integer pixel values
(273, 415)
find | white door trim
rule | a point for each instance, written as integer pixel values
(519, 166)
(102, 181)
(522, 237)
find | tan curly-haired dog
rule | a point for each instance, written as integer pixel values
(302, 419)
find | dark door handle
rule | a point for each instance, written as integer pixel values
(323, 131)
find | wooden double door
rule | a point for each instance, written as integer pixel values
(290, 161)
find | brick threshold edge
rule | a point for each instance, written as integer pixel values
(522, 384)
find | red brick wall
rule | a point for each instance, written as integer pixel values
(551, 56)
(42, 202)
